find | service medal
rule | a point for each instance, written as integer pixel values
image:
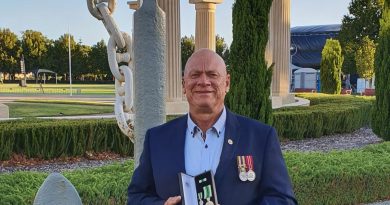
(251, 175)
(243, 176)
(249, 162)
(208, 194)
(242, 168)
(209, 203)
(200, 197)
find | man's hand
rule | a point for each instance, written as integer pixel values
(173, 200)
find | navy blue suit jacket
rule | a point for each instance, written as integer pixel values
(156, 177)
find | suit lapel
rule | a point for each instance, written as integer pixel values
(178, 144)
(229, 145)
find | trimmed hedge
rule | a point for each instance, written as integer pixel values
(342, 177)
(327, 114)
(55, 138)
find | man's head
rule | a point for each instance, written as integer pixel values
(205, 82)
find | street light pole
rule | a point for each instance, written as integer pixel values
(70, 63)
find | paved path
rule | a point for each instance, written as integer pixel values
(380, 203)
(96, 98)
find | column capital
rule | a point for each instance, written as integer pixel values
(134, 5)
(206, 1)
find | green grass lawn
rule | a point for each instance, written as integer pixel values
(340, 177)
(77, 89)
(21, 109)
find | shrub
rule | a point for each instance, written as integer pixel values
(381, 119)
(341, 177)
(327, 114)
(250, 77)
(331, 62)
(55, 138)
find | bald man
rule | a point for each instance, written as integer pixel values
(243, 153)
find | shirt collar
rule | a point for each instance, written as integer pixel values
(219, 125)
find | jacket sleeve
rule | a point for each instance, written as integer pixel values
(275, 187)
(141, 190)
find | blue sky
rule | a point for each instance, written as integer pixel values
(53, 17)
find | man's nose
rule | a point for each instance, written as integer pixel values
(204, 80)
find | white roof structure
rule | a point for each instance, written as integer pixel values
(306, 70)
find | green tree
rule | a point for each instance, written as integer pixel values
(187, 49)
(58, 56)
(364, 58)
(9, 52)
(381, 115)
(34, 45)
(50, 59)
(250, 78)
(222, 49)
(331, 63)
(362, 20)
(81, 61)
(99, 61)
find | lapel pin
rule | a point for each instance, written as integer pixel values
(230, 141)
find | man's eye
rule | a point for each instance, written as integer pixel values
(213, 75)
(194, 75)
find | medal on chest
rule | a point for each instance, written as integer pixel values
(242, 168)
(251, 173)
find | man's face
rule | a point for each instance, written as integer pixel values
(206, 82)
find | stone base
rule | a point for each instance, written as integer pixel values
(281, 101)
(4, 111)
(176, 107)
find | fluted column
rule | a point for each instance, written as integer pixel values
(205, 23)
(172, 13)
(270, 44)
(280, 23)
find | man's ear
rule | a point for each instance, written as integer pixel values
(183, 86)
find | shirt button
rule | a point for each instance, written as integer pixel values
(206, 146)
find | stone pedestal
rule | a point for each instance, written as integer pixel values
(56, 190)
(205, 23)
(4, 111)
(278, 52)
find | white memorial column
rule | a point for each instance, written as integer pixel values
(174, 93)
(205, 23)
(280, 44)
(172, 14)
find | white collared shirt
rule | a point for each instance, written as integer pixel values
(201, 156)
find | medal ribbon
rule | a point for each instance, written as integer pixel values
(249, 162)
(200, 196)
(207, 192)
(241, 162)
